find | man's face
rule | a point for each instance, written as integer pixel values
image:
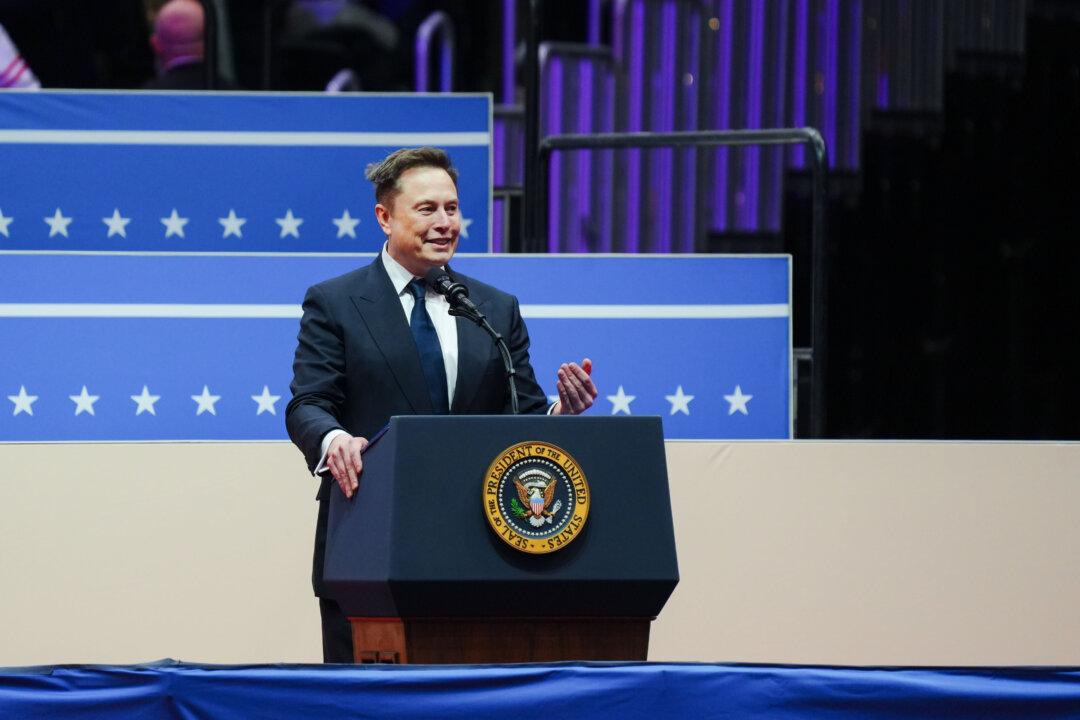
(424, 222)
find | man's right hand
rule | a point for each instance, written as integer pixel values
(343, 459)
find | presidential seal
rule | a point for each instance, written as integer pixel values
(536, 498)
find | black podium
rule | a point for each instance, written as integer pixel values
(427, 570)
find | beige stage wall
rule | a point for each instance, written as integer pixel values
(799, 552)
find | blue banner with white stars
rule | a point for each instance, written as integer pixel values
(132, 347)
(223, 172)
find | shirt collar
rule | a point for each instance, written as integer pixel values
(399, 276)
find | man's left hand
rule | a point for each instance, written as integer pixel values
(576, 388)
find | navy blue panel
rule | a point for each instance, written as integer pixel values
(87, 179)
(236, 355)
(172, 279)
(628, 279)
(644, 691)
(175, 358)
(650, 359)
(534, 279)
(245, 111)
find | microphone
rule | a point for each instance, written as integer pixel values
(460, 304)
(456, 293)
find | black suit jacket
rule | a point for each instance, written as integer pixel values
(356, 365)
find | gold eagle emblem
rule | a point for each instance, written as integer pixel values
(536, 490)
(536, 497)
(527, 494)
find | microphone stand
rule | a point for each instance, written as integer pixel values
(472, 313)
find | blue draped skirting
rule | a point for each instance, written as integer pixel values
(560, 691)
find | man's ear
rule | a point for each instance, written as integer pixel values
(382, 214)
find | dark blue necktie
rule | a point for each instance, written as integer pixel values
(427, 343)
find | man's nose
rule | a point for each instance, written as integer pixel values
(442, 218)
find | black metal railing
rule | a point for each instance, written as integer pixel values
(210, 40)
(437, 25)
(536, 221)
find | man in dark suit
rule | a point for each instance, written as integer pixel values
(376, 342)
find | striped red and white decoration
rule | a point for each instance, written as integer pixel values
(14, 72)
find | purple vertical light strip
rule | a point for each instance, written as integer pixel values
(497, 241)
(883, 90)
(498, 144)
(584, 188)
(820, 40)
(748, 211)
(831, 38)
(607, 167)
(689, 193)
(594, 22)
(773, 186)
(619, 82)
(723, 115)
(854, 124)
(499, 147)
(665, 120)
(632, 230)
(421, 65)
(553, 114)
(515, 143)
(508, 35)
(619, 13)
(799, 78)
(446, 69)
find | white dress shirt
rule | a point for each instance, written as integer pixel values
(438, 308)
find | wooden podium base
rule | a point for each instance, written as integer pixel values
(498, 640)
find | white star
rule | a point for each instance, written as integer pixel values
(620, 401)
(266, 401)
(232, 224)
(206, 401)
(84, 402)
(58, 224)
(738, 402)
(465, 223)
(679, 401)
(23, 402)
(174, 224)
(290, 225)
(145, 401)
(4, 222)
(116, 224)
(346, 225)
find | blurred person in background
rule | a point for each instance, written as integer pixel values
(318, 38)
(178, 47)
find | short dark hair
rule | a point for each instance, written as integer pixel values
(386, 174)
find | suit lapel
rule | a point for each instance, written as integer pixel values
(474, 349)
(380, 309)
